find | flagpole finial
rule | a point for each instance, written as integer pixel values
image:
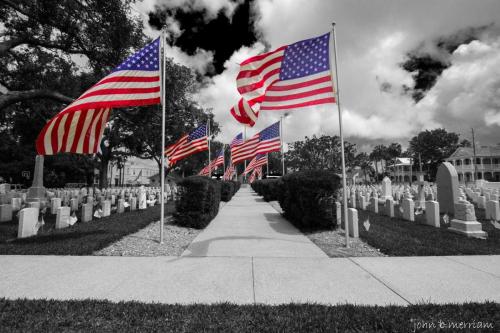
(333, 24)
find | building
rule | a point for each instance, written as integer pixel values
(401, 170)
(134, 171)
(485, 165)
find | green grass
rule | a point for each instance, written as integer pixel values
(397, 237)
(79, 239)
(93, 316)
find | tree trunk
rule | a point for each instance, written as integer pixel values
(103, 173)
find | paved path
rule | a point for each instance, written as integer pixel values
(248, 255)
(248, 226)
(245, 280)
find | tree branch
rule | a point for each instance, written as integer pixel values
(12, 97)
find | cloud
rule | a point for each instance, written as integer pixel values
(211, 7)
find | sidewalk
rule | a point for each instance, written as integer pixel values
(248, 226)
(249, 254)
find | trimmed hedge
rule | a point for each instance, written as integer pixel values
(228, 189)
(308, 198)
(198, 203)
(268, 188)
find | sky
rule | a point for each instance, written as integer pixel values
(375, 39)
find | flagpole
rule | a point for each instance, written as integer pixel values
(337, 92)
(282, 150)
(223, 159)
(163, 106)
(267, 164)
(245, 162)
(209, 167)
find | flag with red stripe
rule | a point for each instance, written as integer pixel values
(256, 173)
(257, 161)
(213, 165)
(194, 142)
(245, 151)
(78, 128)
(266, 141)
(291, 77)
(229, 173)
(244, 113)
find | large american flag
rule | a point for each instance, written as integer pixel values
(290, 77)
(266, 141)
(78, 128)
(256, 162)
(244, 113)
(189, 144)
(238, 140)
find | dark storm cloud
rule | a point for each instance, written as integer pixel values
(221, 34)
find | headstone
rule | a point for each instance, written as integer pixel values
(120, 206)
(28, 222)
(362, 202)
(133, 203)
(465, 221)
(492, 210)
(481, 202)
(352, 214)
(62, 218)
(432, 213)
(5, 213)
(389, 207)
(447, 187)
(37, 192)
(142, 198)
(106, 208)
(374, 204)
(55, 203)
(87, 210)
(16, 204)
(73, 204)
(4, 188)
(386, 189)
(408, 210)
(353, 200)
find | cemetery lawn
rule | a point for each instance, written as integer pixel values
(397, 237)
(79, 239)
(92, 316)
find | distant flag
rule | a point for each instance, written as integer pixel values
(194, 142)
(229, 174)
(219, 160)
(266, 141)
(257, 161)
(238, 140)
(78, 128)
(290, 77)
(256, 172)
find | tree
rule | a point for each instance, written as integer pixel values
(319, 153)
(378, 154)
(363, 161)
(433, 146)
(50, 52)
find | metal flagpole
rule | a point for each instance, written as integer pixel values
(344, 183)
(282, 150)
(245, 162)
(163, 106)
(209, 167)
(267, 164)
(223, 159)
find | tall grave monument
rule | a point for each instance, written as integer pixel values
(37, 192)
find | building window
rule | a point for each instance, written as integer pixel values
(487, 161)
(467, 161)
(478, 161)
(458, 162)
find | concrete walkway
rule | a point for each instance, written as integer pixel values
(245, 280)
(248, 226)
(248, 255)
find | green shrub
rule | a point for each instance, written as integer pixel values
(308, 198)
(198, 203)
(227, 190)
(268, 188)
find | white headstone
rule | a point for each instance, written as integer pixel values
(55, 203)
(352, 214)
(106, 208)
(447, 187)
(28, 222)
(386, 189)
(142, 198)
(5, 213)
(408, 210)
(62, 218)
(133, 203)
(87, 210)
(120, 206)
(389, 207)
(374, 204)
(432, 213)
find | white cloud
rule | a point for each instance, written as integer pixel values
(212, 7)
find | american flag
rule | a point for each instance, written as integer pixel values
(228, 175)
(290, 77)
(189, 144)
(256, 162)
(244, 113)
(266, 141)
(78, 128)
(238, 140)
(256, 172)
(219, 160)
